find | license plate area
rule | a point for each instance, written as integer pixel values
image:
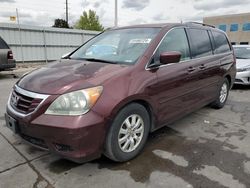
(11, 123)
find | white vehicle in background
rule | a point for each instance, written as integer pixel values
(242, 53)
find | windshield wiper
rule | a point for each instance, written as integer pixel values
(99, 60)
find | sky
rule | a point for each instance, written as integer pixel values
(43, 13)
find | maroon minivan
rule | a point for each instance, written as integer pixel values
(110, 93)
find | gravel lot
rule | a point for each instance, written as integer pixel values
(209, 148)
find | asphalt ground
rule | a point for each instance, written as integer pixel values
(208, 148)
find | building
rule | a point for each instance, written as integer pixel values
(237, 26)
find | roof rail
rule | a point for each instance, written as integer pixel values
(203, 24)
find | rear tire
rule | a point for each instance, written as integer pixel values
(222, 95)
(128, 133)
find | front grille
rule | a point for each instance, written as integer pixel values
(35, 141)
(238, 80)
(23, 103)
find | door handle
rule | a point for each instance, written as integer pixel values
(191, 69)
(202, 67)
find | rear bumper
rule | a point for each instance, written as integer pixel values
(10, 65)
(242, 78)
(78, 138)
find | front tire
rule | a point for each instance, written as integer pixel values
(222, 95)
(128, 133)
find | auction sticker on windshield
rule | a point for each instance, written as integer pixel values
(141, 41)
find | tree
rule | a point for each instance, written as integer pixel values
(89, 21)
(61, 23)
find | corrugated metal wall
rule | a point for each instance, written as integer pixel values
(42, 44)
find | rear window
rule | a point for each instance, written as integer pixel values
(3, 44)
(221, 43)
(200, 43)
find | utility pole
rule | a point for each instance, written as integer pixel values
(67, 12)
(116, 14)
(20, 36)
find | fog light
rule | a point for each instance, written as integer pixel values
(62, 147)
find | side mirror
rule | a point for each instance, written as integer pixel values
(170, 57)
(65, 56)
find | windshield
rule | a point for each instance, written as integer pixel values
(242, 52)
(123, 46)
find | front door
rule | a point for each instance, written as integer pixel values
(176, 82)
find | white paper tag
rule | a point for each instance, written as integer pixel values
(140, 41)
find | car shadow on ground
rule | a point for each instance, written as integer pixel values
(241, 87)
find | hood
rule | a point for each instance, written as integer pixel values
(69, 75)
(242, 63)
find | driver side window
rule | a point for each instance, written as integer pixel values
(175, 40)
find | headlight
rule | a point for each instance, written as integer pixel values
(243, 69)
(75, 103)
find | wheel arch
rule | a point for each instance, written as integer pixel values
(142, 101)
(228, 77)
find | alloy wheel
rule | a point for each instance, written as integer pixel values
(223, 93)
(131, 133)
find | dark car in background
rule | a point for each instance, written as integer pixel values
(110, 93)
(6, 56)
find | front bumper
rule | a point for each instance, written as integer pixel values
(242, 78)
(77, 138)
(10, 65)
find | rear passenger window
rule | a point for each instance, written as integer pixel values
(175, 40)
(3, 44)
(221, 43)
(200, 43)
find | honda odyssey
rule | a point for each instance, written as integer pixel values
(111, 92)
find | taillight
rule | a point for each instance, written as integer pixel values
(10, 55)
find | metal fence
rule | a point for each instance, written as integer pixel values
(30, 43)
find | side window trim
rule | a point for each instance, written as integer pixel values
(188, 40)
(211, 37)
(229, 44)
